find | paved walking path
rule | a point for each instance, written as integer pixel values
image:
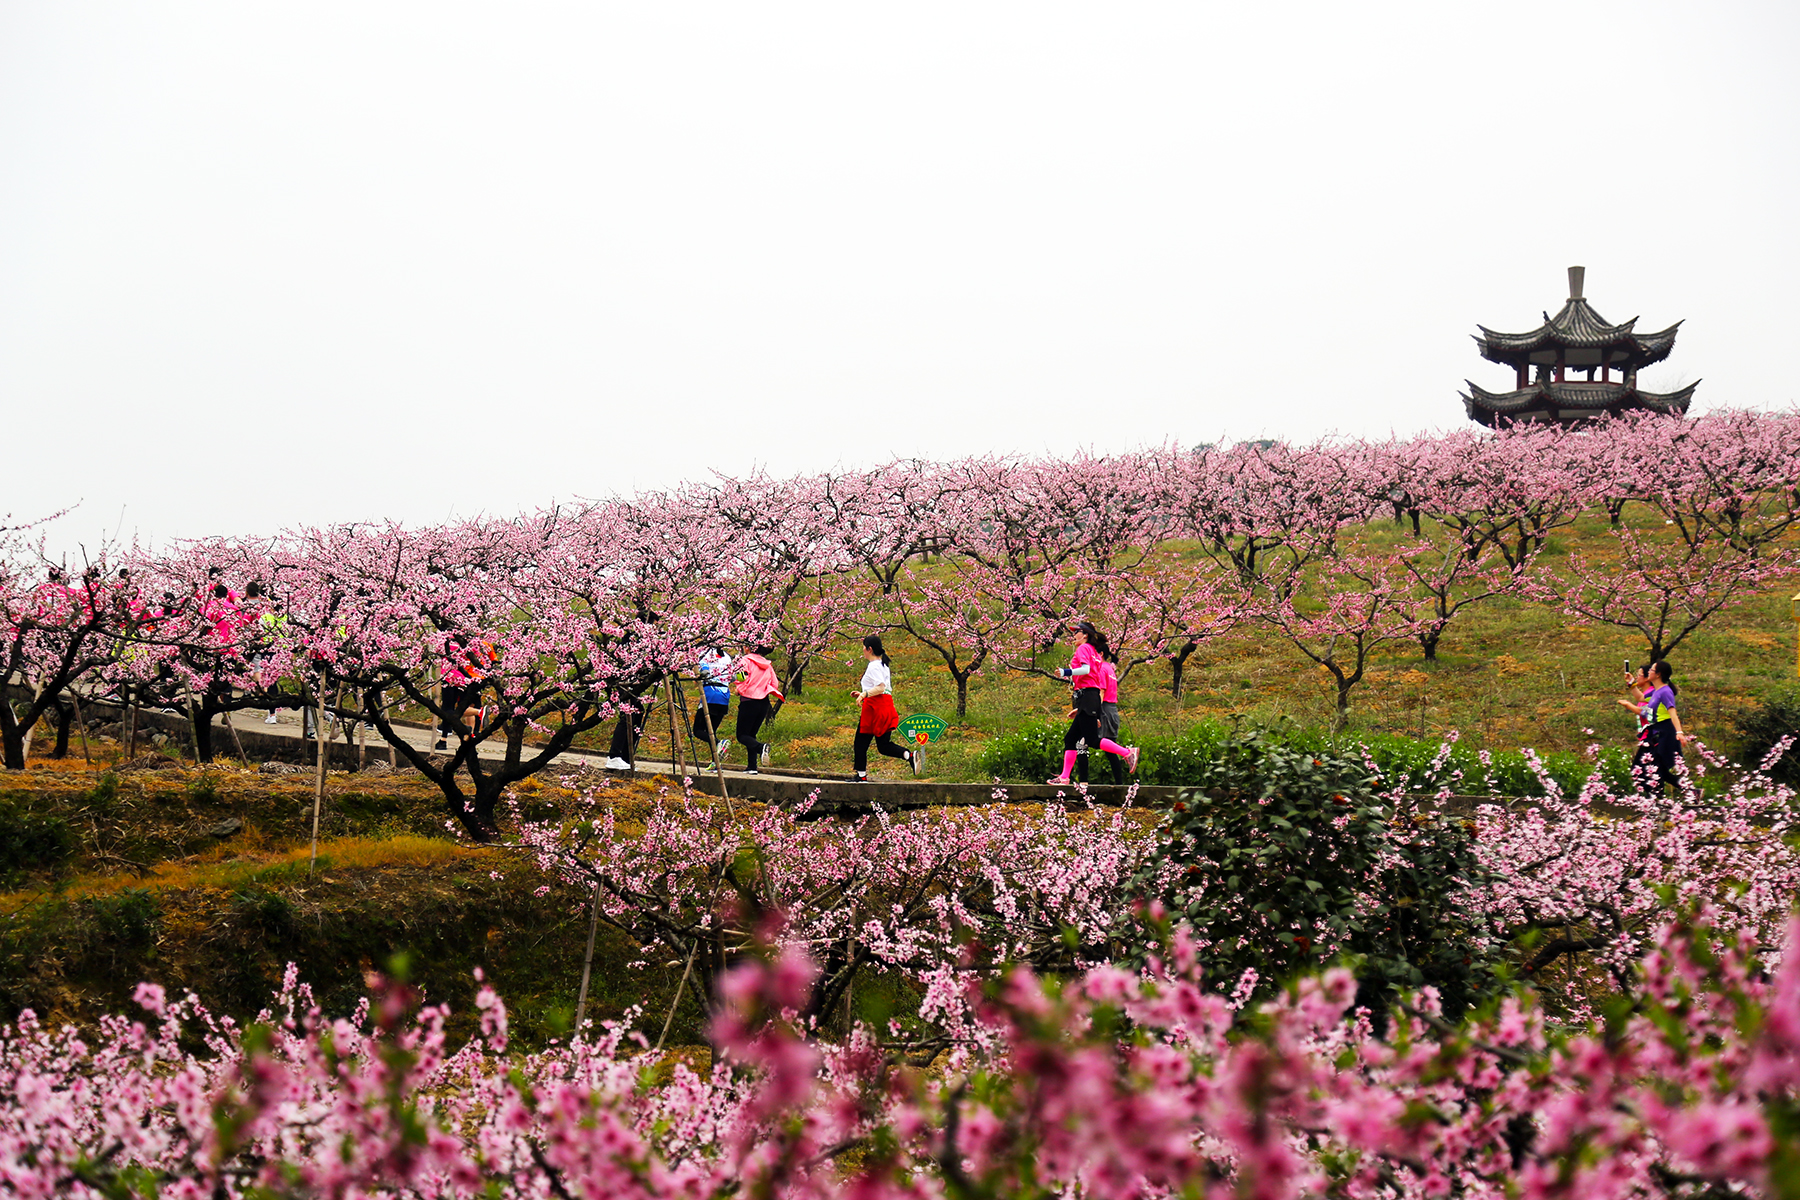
(814, 794)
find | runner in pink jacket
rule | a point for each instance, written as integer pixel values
(757, 688)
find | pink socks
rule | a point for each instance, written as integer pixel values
(1068, 762)
(1106, 744)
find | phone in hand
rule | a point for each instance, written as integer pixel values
(1628, 668)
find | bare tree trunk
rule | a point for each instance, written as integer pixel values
(25, 739)
(131, 702)
(81, 723)
(202, 751)
(63, 718)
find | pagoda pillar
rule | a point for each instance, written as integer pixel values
(1559, 365)
(1524, 376)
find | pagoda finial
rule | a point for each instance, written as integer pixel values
(1577, 276)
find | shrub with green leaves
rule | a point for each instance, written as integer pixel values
(1284, 859)
(1033, 752)
(1758, 729)
(32, 842)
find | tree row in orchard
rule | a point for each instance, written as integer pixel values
(570, 614)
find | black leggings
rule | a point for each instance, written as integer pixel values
(457, 700)
(885, 744)
(751, 715)
(1663, 747)
(716, 712)
(1084, 728)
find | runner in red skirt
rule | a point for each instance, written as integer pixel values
(879, 718)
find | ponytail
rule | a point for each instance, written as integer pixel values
(873, 642)
(1666, 673)
(1096, 639)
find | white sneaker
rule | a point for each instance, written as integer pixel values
(617, 764)
(917, 755)
(270, 720)
(764, 756)
(723, 748)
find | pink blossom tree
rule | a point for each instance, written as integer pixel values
(60, 624)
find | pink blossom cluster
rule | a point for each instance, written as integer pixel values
(1593, 875)
(936, 895)
(1103, 1083)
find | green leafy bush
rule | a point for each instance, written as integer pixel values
(1033, 752)
(105, 792)
(1283, 859)
(1756, 730)
(123, 926)
(32, 842)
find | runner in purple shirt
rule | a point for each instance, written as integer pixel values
(1666, 733)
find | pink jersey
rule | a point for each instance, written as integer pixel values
(1109, 683)
(1086, 656)
(227, 615)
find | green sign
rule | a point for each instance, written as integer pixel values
(922, 727)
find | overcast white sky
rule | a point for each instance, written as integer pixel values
(263, 265)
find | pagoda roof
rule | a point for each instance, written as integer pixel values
(1568, 402)
(1576, 326)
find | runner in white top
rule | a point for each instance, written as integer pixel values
(878, 719)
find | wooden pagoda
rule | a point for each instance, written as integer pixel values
(1576, 339)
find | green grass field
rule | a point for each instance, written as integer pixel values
(1509, 674)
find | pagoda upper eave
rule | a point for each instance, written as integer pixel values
(1566, 402)
(1577, 327)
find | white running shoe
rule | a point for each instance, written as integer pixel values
(1131, 760)
(270, 719)
(723, 748)
(763, 758)
(917, 754)
(617, 764)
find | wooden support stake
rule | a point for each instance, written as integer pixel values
(235, 739)
(712, 739)
(321, 736)
(670, 1019)
(677, 752)
(131, 726)
(587, 963)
